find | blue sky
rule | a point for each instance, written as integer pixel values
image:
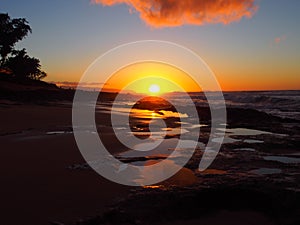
(69, 34)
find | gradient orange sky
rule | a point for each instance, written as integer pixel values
(138, 77)
(250, 45)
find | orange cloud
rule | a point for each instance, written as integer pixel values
(170, 13)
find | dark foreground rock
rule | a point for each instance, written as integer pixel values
(157, 206)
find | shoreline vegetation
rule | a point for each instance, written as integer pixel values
(47, 181)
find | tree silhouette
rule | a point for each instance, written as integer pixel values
(18, 62)
(11, 32)
(24, 66)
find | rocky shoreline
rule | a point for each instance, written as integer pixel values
(256, 174)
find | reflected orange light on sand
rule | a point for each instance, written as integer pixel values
(152, 78)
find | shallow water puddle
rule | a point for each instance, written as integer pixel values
(282, 159)
(243, 131)
(245, 149)
(59, 132)
(266, 171)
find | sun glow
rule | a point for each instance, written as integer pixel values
(154, 89)
(151, 78)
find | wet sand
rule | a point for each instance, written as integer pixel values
(36, 185)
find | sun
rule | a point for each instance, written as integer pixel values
(154, 89)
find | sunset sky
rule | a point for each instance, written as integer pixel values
(250, 45)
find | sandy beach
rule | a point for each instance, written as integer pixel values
(36, 185)
(45, 180)
(37, 181)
